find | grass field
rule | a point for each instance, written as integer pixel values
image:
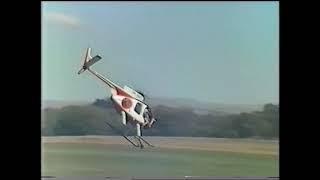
(112, 156)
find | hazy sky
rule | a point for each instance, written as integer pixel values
(225, 52)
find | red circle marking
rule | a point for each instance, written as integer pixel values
(126, 103)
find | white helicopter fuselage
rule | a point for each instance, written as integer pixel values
(133, 107)
(129, 103)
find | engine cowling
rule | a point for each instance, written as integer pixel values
(150, 123)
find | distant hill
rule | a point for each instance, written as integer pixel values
(59, 104)
(206, 106)
(198, 106)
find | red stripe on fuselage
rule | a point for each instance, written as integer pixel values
(120, 92)
(120, 108)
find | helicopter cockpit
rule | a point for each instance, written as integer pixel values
(148, 117)
(146, 113)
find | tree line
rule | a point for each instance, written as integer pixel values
(90, 120)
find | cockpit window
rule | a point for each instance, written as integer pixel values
(138, 108)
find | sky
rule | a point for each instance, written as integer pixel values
(220, 52)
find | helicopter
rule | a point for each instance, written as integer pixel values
(129, 103)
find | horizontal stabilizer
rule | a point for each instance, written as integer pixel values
(89, 61)
(92, 61)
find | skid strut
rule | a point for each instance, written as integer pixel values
(139, 138)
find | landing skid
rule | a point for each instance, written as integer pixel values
(139, 138)
(146, 142)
